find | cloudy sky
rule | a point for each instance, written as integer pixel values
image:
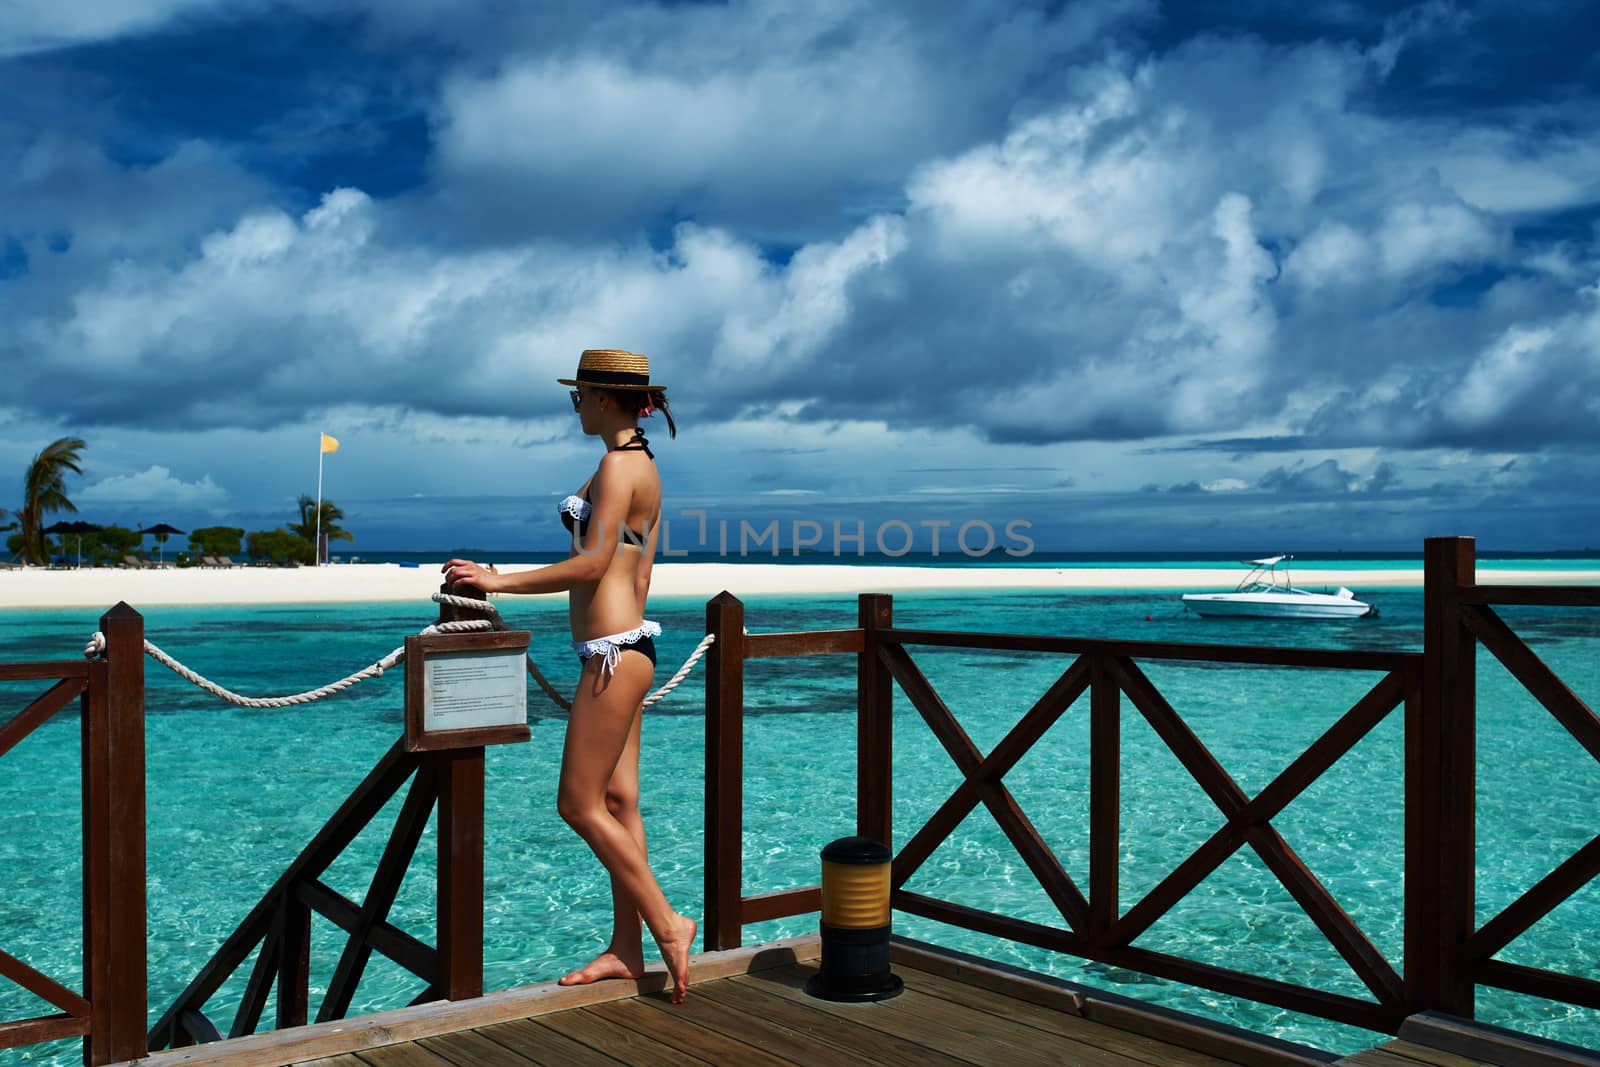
(1210, 275)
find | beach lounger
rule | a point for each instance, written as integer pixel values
(209, 561)
(224, 561)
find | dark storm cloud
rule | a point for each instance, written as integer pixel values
(1319, 479)
(1229, 232)
(306, 105)
(781, 122)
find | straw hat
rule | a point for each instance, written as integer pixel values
(613, 368)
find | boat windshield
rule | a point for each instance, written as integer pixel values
(1264, 576)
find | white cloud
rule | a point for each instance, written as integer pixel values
(153, 485)
(31, 25)
(1417, 236)
(1330, 254)
(779, 118)
(1202, 241)
(795, 314)
(1519, 171)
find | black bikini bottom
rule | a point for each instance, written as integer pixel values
(645, 644)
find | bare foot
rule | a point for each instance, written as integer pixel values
(675, 954)
(608, 964)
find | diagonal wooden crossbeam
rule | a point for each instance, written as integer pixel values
(42, 986)
(1540, 900)
(1535, 982)
(982, 779)
(1306, 768)
(1313, 897)
(254, 1001)
(415, 956)
(385, 886)
(381, 783)
(1526, 666)
(992, 768)
(34, 715)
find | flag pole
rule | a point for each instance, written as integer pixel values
(316, 541)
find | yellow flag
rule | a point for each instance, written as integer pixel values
(330, 444)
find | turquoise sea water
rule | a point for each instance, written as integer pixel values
(234, 794)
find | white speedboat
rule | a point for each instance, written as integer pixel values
(1266, 592)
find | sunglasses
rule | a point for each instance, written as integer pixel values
(577, 399)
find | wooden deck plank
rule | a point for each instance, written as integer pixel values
(683, 1035)
(1436, 1057)
(765, 1019)
(1376, 1057)
(324, 1040)
(624, 1044)
(857, 1042)
(472, 1049)
(1433, 1057)
(965, 1033)
(1136, 1047)
(407, 1055)
(1485, 1043)
(544, 1046)
(751, 1029)
(1125, 1014)
(813, 1047)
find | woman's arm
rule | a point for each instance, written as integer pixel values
(610, 493)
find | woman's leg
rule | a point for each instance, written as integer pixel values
(624, 957)
(604, 716)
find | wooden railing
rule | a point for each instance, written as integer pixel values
(1445, 955)
(1462, 617)
(110, 1012)
(281, 922)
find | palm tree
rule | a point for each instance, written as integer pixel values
(44, 492)
(308, 526)
(7, 528)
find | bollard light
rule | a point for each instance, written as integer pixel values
(855, 923)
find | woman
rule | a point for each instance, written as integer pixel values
(614, 519)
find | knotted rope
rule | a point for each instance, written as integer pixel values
(97, 647)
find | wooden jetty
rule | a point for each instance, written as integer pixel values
(747, 1005)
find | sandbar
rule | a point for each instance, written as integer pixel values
(364, 582)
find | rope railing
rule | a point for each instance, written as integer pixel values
(97, 645)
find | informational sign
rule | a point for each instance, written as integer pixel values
(466, 689)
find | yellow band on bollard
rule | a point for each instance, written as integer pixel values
(855, 895)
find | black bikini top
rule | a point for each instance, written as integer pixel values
(576, 509)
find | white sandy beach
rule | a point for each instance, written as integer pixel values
(39, 588)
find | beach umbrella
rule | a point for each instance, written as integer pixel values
(77, 527)
(162, 532)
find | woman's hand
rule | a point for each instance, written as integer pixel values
(466, 572)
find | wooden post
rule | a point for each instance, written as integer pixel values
(1105, 786)
(114, 931)
(724, 921)
(451, 613)
(874, 723)
(294, 961)
(460, 890)
(1441, 754)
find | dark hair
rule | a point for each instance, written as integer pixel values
(637, 401)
